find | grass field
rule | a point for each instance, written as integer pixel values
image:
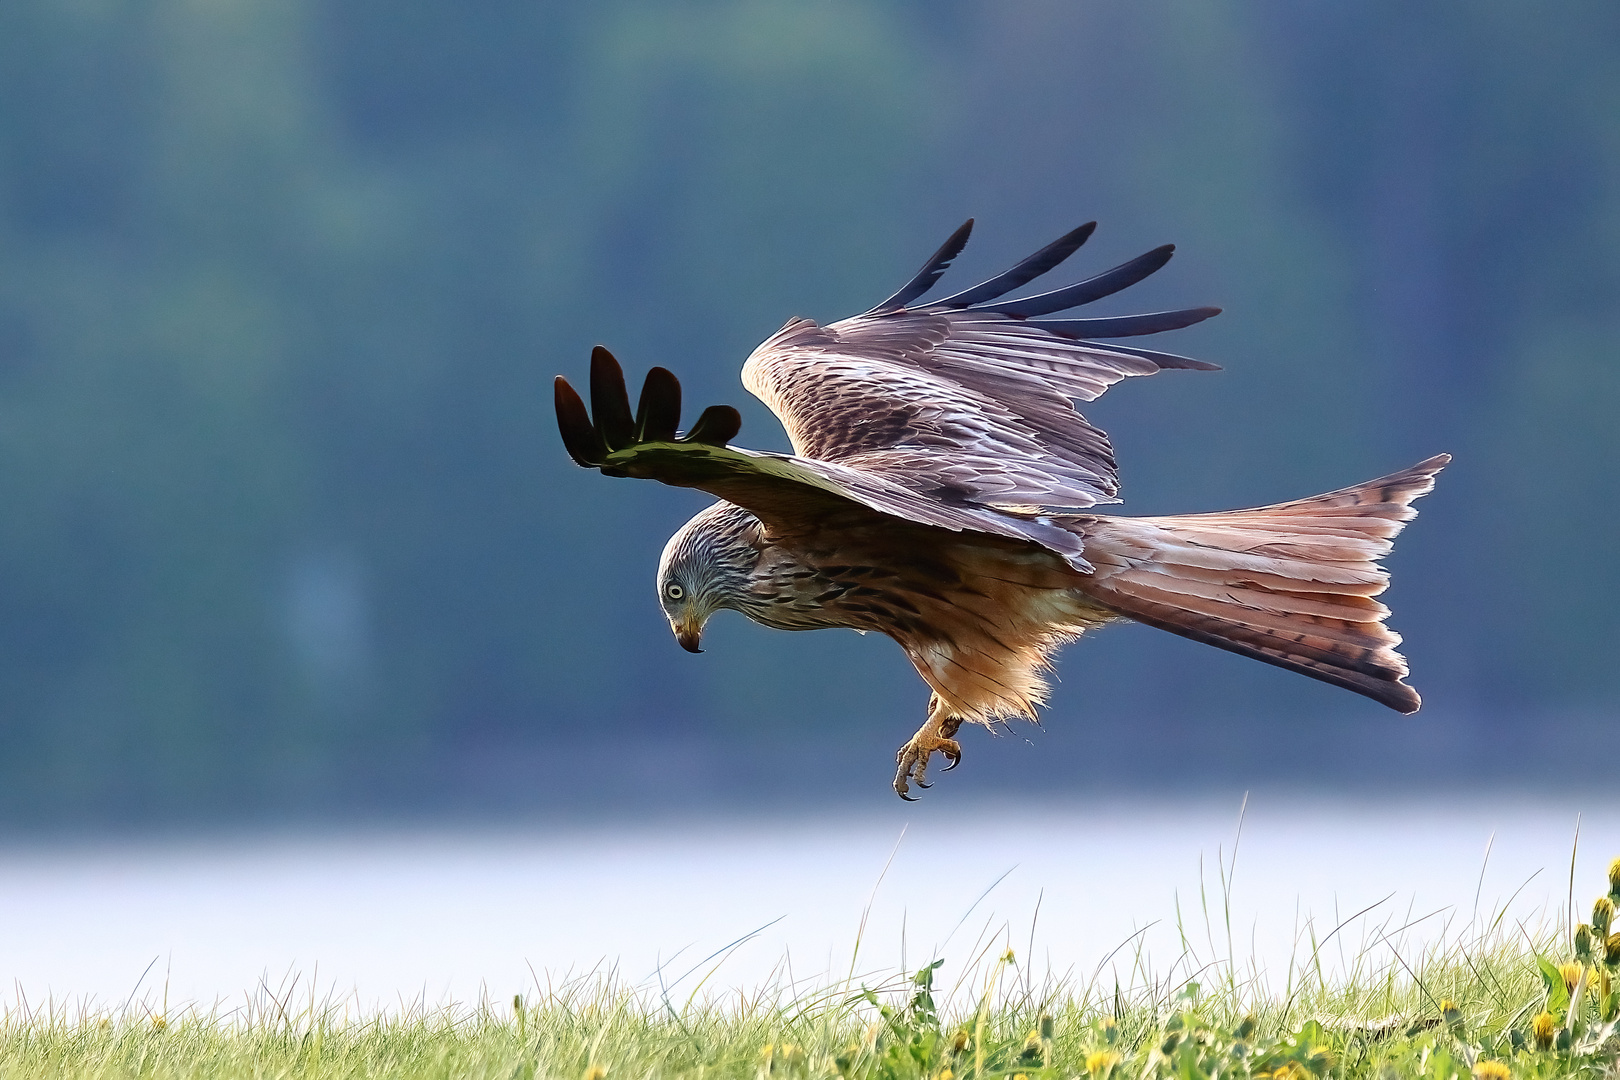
(1501, 1003)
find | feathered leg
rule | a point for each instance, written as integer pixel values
(935, 736)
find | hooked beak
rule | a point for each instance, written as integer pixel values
(688, 634)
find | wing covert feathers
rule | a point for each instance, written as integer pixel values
(973, 397)
(1290, 585)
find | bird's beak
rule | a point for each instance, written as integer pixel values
(688, 634)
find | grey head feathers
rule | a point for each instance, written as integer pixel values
(708, 562)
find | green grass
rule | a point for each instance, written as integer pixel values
(1498, 996)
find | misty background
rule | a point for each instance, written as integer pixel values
(286, 531)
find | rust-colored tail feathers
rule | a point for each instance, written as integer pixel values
(1291, 584)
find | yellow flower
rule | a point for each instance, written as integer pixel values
(1492, 1070)
(1611, 950)
(1101, 1063)
(1614, 877)
(1571, 973)
(595, 1072)
(1288, 1070)
(959, 1041)
(159, 1023)
(1544, 1027)
(945, 1074)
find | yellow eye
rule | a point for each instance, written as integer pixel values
(674, 591)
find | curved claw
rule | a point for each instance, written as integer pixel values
(923, 785)
(904, 796)
(954, 762)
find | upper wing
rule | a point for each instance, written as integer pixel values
(785, 492)
(968, 400)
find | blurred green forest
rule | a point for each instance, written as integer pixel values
(284, 523)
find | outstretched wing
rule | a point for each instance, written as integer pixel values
(784, 491)
(970, 398)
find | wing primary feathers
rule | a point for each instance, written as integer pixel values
(717, 426)
(932, 269)
(580, 437)
(1104, 284)
(1163, 359)
(1025, 272)
(659, 411)
(1127, 325)
(610, 401)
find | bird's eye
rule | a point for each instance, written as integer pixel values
(674, 591)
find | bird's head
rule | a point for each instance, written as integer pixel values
(705, 567)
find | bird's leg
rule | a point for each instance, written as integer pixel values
(934, 736)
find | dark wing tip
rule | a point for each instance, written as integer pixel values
(717, 426)
(1084, 292)
(930, 272)
(658, 413)
(579, 435)
(1026, 270)
(610, 401)
(1155, 322)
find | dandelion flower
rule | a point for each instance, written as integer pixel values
(1571, 973)
(1611, 950)
(1101, 1063)
(1492, 1070)
(595, 1072)
(1544, 1027)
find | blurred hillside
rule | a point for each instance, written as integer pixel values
(284, 523)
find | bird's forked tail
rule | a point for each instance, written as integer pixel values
(1290, 584)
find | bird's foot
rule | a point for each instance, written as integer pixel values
(913, 759)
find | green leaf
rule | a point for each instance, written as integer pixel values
(1557, 993)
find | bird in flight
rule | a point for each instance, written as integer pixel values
(941, 491)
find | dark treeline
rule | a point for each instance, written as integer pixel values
(284, 522)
